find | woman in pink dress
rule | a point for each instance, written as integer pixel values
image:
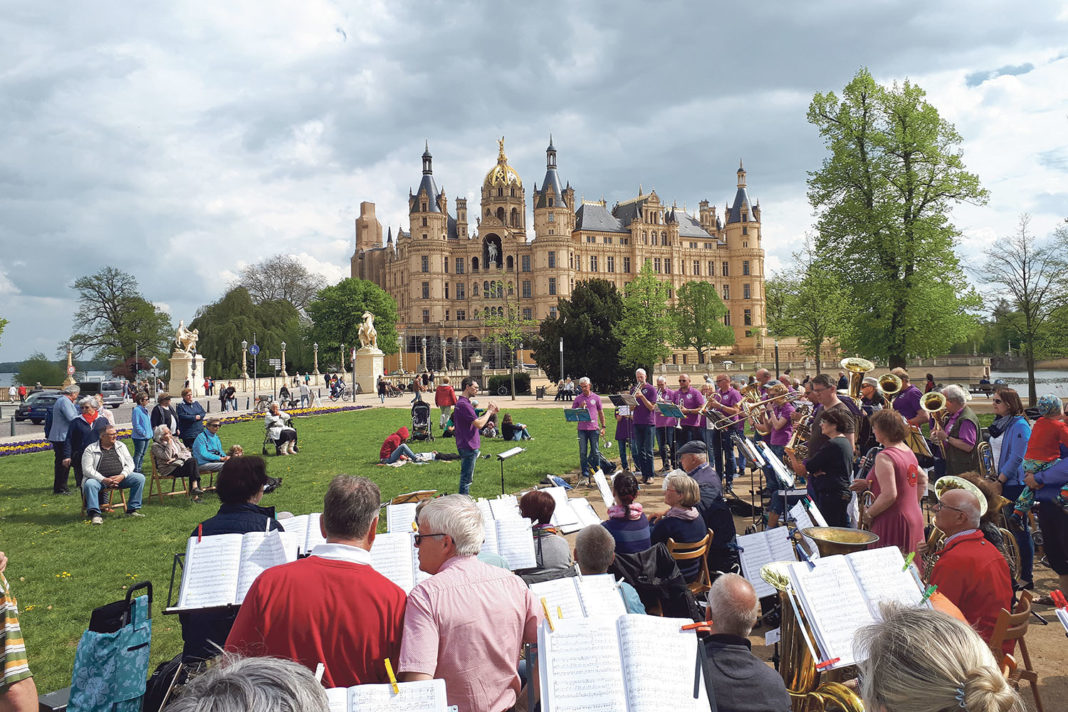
(898, 483)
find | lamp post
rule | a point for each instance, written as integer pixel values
(70, 365)
(400, 350)
(342, 359)
(776, 357)
(561, 359)
(284, 374)
(255, 364)
(315, 357)
(444, 361)
(425, 365)
(244, 360)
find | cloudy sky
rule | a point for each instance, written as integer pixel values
(180, 141)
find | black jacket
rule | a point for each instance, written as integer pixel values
(741, 682)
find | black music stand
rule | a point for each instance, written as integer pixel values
(512, 453)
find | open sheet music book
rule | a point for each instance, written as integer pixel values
(220, 569)
(840, 594)
(512, 539)
(400, 517)
(394, 556)
(422, 696)
(563, 518)
(805, 517)
(631, 664)
(759, 548)
(604, 488)
(306, 529)
(784, 473)
(581, 597)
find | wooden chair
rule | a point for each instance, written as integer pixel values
(107, 500)
(157, 483)
(1013, 626)
(688, 552)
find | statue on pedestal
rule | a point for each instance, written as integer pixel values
(185, 339)
(368, 335)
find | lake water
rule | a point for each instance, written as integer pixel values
(1055, 382)
(6, 379)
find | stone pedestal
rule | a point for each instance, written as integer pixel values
(184, 368)
(368, 367)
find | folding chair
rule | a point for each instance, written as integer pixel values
(1013, 626)
(106, 504)
(694, 550)
(157, 482)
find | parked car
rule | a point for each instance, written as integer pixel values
(37, 405)
(113, 393)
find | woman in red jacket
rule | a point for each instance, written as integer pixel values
(394, 449)
(444, 398)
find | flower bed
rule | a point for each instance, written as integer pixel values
(25, 447)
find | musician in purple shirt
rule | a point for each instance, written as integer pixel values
(690, 402)
(468, 425)
(642, 444)
(665, 426)
(725, 400)
(589, 430)
(907, 402)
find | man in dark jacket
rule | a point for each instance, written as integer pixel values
(693, 458)
(740, 681)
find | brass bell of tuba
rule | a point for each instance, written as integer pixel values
(890, 385)
(856, 367)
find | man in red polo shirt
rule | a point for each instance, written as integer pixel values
(331, 607)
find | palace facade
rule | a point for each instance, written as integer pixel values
(449, 271)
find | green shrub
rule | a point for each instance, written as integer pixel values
(522, 383)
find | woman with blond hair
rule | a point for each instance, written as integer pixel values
(921, 660)
(681, 522)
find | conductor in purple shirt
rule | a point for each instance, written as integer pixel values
(644, 426)
(468, 425)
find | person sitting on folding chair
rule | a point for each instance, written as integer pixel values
(208, 449)
(280, 432)
(106, 464)
(173, 459)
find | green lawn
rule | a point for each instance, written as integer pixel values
(61, 567)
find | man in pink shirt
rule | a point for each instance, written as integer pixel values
(468, 622)
(589, 431)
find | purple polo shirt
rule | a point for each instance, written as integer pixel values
(690, 398)
(592, 403)
(463, 417)
(642, 415)
(967, 428)
(731, 398)
(908, 403)
(782, 437)
(662, 421)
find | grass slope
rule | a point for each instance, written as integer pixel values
(61, 567)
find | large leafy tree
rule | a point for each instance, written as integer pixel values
(815, 307)
(1028, 278)
(114, 322)
(645, 327)
(697, 318)
(509, 329)
(281, 277)
(337, 313)
(38, 369)
(224, 324)
(586, 322)
(883, 197)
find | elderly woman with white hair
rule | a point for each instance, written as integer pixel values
(240, 684)
(922, 660)
(959, 433)
(279, 430)
(173, 459)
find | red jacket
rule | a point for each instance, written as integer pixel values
(393, 442)
(444, 395)
(974, 575)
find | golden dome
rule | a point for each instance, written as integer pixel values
(502, 174)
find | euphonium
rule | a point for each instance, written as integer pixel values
(890, 385)
(856, 367)
(751, 392)
(934, 404)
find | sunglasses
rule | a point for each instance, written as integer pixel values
(419, 537)
(998, 400)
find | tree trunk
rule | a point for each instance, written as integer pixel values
(1029, 359)
(513, 378)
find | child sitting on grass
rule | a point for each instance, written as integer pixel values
(1043, 449)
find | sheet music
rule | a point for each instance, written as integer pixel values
(659, 660)
(600, 596)
(785, 475)
(604, 489)
(422, 696)
(1062, 616)
(391, 556)
(261, 551)
(515, 542)
(563, 517)
(761, 548)
(561, 597)
(505, 507)
(580, 666)
(306, 527)
(584, 512)
(211, 569)
(801, 517)
(420, 575)
(833, 603)
(400, 517)
(338, 699)
(883, 577)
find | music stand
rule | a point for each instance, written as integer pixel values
(669, 410)
(626, 399)
(512, 452)
(577, 415)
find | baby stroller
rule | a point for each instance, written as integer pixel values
(421, 428)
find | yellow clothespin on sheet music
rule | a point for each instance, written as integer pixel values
(415, 527)
(392, 677)
(548, 618)
(559, 612)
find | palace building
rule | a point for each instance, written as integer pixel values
(449, 271)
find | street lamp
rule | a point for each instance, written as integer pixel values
(561, 359)
(342, 358)
(776, 357)
(424, 355)
(284, 374)
(315, 356)
(244, 360)
(255, 366)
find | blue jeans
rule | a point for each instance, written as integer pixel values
(140, 448)
(467, 468)
(642, 449)
(134, 481)
(665, 440)
(589, 455)
(722, 448)
(624, 445)
(401, 449)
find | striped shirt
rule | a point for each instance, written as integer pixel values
(16, 666)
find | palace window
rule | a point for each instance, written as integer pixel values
(424, 222)
(446, 290)
(486, 290)
(550, 218)
(425, 263)
(550, 205)
(424, 209)
(624, 240)
(697, 268)
(593, 263)
(626, 265)
(653, 239)
(727, 319)
(726, 269)
(607, 240)
(726, 292)
(747, 316)
(461, 315)
(447, 315)
(426, 290)
(745, 267)
(460, 291)
(526, 289)
(746, 294)
(591, 239)
(552, 259)
(445, 265)
(656, 265)
(552, 312)
(610, 264)
(426, 316)
(424, 235)
(552, 286)
(474, 289)
(711, 268)
(527, 313)
(459, 265)
(474, 264)
(667, 265)
(525, 263)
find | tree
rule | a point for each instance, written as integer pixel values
(882, 197)
(777, 291)
(815, 308)
(1028, 277)
(281, 277)
(3, 323)
(697, 319)
(645, 329)
(224, 324)
(337, 313)
(38, 369)
(586, 323)
(509, 330)
(114, 322)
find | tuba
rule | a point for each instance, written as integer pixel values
(856, 367)
(934, 404)
(890, 385)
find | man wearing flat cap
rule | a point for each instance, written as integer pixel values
(693, 458)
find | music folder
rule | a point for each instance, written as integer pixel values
(626, 399)
(669, 410)
(577, 415)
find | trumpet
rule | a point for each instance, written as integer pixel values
(934, 404)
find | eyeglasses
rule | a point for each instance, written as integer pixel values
(419, 537)
(940, 506)
(997, 400)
